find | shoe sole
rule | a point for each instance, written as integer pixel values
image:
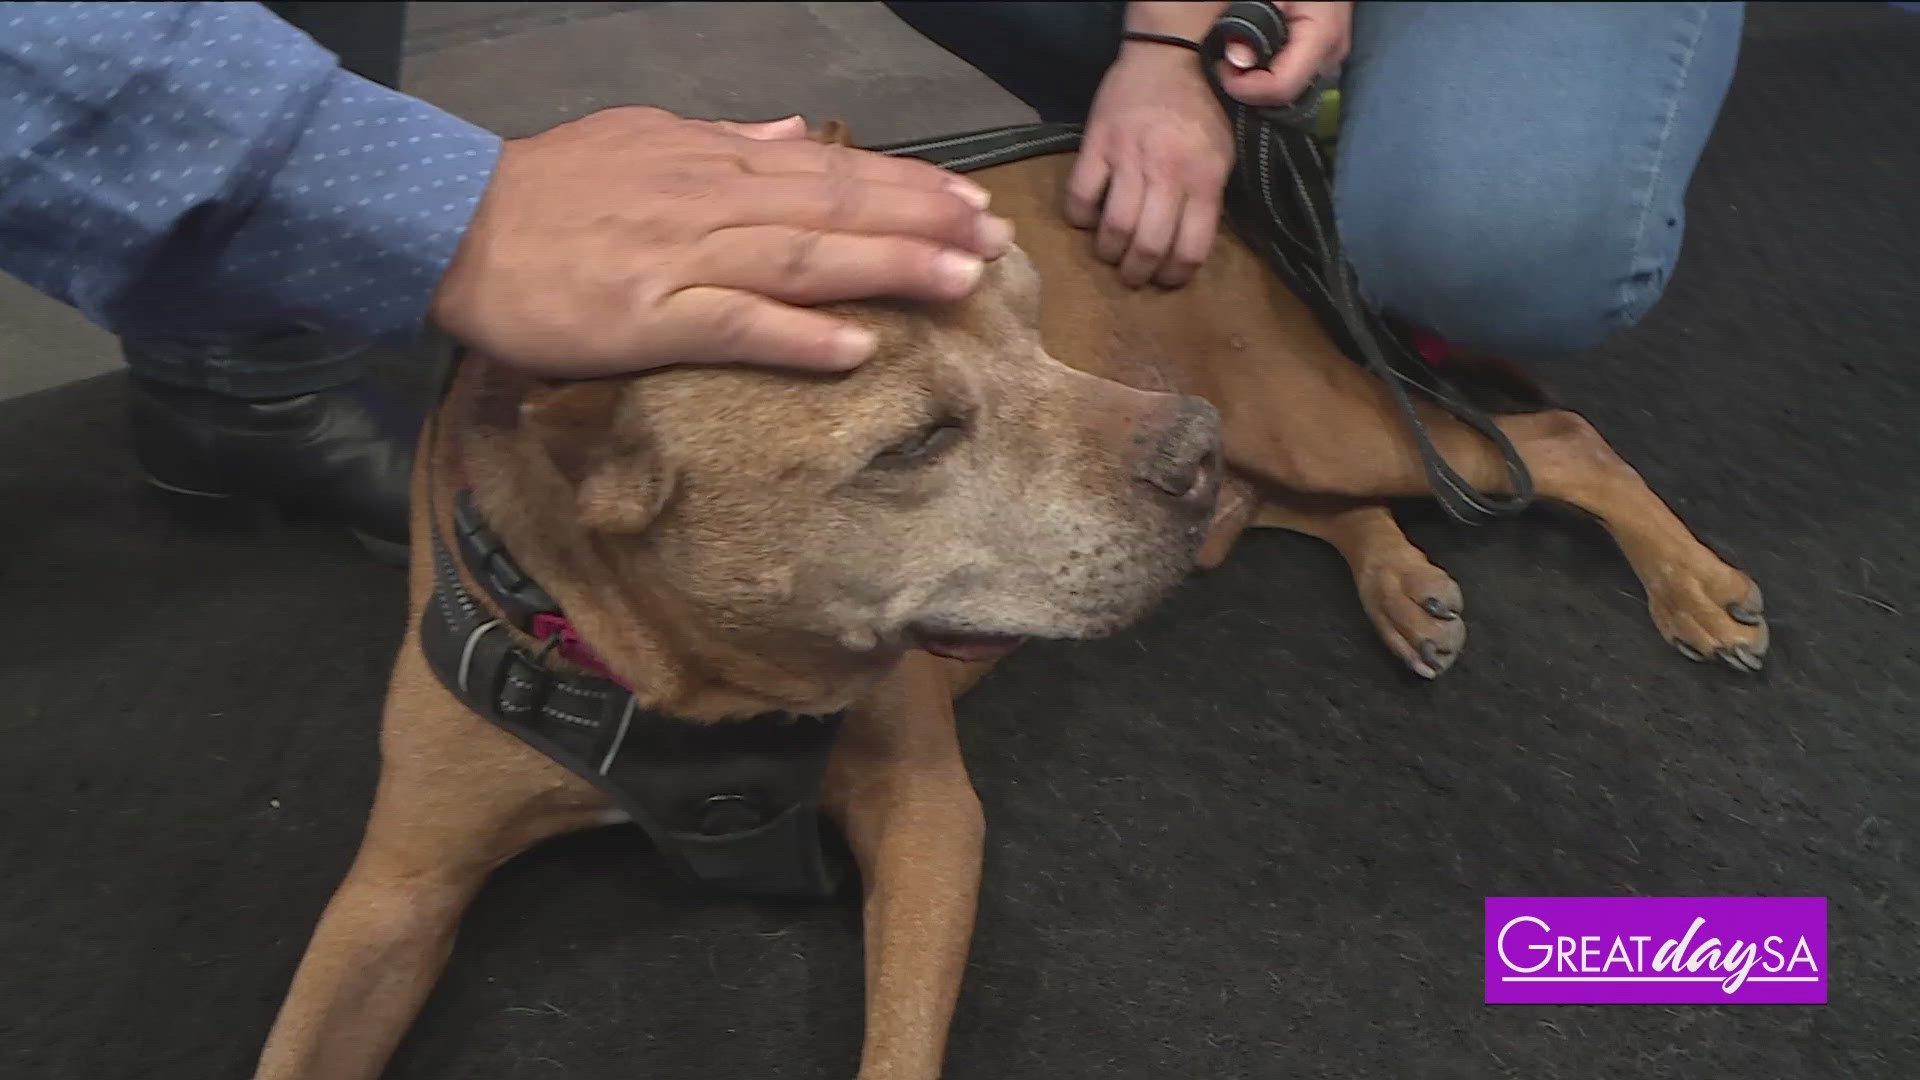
(388, 552)
(175, 489)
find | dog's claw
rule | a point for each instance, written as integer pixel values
(1740, 658)
(1742, 616)
(1437, 608)
(1433, 656)
(1689, 651)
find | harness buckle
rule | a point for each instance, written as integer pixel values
(724, 815)
(524, 682)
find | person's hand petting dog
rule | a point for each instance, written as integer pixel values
(1155, 157)
(1154, 162)
(632, 239)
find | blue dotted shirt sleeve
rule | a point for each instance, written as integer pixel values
(182, 166)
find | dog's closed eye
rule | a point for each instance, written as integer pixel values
(924, 446)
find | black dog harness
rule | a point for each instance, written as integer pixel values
(1280, 202)
(734, 805)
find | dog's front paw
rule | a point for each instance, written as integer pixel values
(1713, 612)
(1416, 606)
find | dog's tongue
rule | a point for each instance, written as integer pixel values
(975, 647)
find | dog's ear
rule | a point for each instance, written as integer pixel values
(618, 479)
(834, 133)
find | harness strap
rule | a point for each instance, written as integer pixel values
(990, 146)
(735, 805)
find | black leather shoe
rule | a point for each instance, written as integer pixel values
(342, 455)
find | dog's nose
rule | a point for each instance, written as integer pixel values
(1184, 461)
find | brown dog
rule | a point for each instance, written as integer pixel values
(732, 542)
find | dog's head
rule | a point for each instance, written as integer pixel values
(960, 490)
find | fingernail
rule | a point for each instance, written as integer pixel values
(1239, 54)
(852, 345)
(976, 196)
(957, 272)
(994, 234)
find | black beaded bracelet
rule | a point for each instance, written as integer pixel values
(1161, 39)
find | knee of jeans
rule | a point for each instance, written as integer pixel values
(1506, 281)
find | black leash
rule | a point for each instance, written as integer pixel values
(1281, 195)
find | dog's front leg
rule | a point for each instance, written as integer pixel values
(457, 797)
(900, 789)
(375, 955)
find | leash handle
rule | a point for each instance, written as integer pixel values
(1260, 27)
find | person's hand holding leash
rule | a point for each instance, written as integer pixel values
(633, 239)
(1318, 37)
(1157, 150)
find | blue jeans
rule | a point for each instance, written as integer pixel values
(1511, 176)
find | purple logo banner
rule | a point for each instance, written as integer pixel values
(1661, 950)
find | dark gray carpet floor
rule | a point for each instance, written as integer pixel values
(1236, 842)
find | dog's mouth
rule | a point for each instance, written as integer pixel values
(965, 645)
